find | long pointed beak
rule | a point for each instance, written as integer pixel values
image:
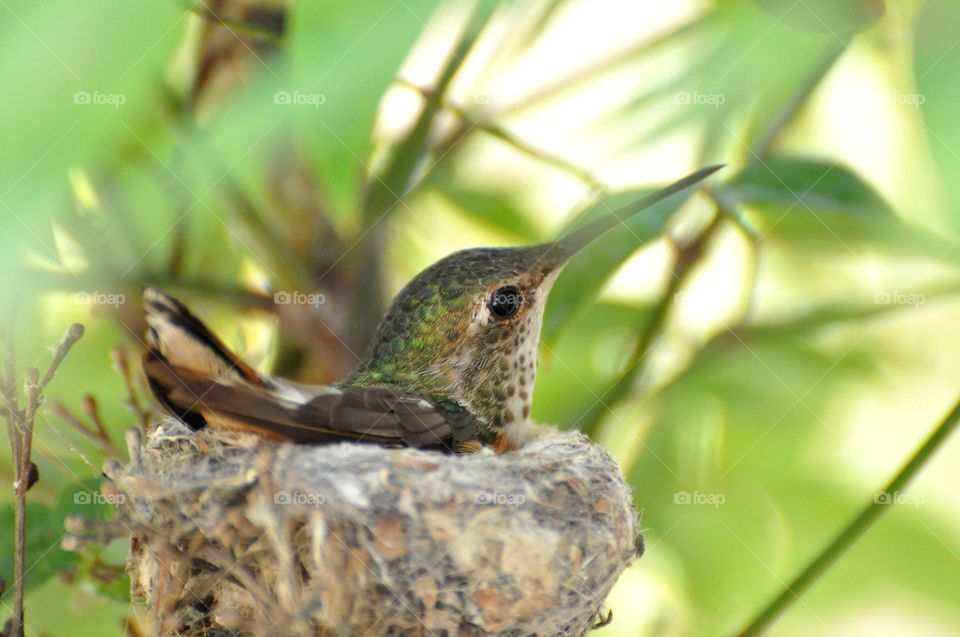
(565, 247)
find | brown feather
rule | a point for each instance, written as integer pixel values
(197, 379)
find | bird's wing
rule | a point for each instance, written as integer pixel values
(177, 336)
(196, 378)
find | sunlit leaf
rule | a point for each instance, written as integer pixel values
(493, 209)
(730, 52)
(937, 95)
(347, 54)
(576, 370)
(804, 185)
(824, 205)
(587, 272)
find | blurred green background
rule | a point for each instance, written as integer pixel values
(760, 358)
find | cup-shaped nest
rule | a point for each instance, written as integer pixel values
(235, 535)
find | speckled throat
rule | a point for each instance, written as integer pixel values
(440, 339)
(508, 395)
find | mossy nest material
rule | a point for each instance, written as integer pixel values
(234, 535)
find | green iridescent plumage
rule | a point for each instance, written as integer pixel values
(442, 340)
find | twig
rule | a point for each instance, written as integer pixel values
(14, 627)
(122, 364)
(600, 65)
(93, 412)
(688, 257)
(9, 390)
(96, 434)
(406, 168)
(856, 528)
(31, 391)
(504, 135)
(267, 24)
(770, 136)
(20, 426)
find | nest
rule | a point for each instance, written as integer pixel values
(234, 535)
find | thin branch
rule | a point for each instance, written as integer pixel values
(504, 135)
(20, 426)
(9, 390)
(267, 23)
(96, 434)
(688, 257)
(93, 412)
(31, 391)
(854, 530)
(74, 332)
(799, 99)
(406, 167)
(596, 67)
(122, 365)
(15, 428)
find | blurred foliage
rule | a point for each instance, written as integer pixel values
(759, 356)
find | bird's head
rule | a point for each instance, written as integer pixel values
(467, 328)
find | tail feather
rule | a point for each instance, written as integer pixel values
(201, 382)
(180, 338)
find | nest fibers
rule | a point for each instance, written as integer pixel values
(234, 535)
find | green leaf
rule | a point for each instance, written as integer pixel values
(496, 210)
(746, 68)
(349, 54)
(935, 62)
(44, 557)
(80, 77)
(588, 272)
(804, 185)
(585, 360)
(816, 205)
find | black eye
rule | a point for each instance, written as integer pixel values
(505, 302)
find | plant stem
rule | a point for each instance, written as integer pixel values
(857, 527)
(19, 555)
(802, 97)
(20, 426)
(503, 134)
(687, 259)
(410, 162)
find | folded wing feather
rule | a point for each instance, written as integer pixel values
(199, 380)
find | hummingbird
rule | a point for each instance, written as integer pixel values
(451, 367)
